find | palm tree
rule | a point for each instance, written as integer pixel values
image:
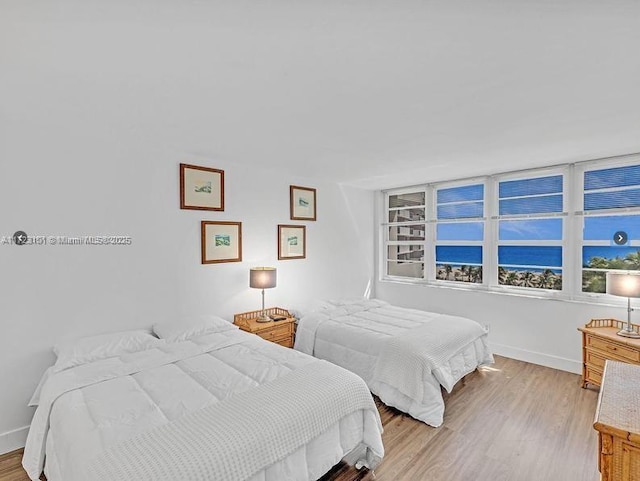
(465, 271)
(511, 279)
(557, 283)
(617, 263)
(633, 260)
(546, 279)
(598, 263)
(594, 281)
(502, 275)
(475, 274)
(528, 279)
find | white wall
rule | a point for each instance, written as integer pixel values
(542, 331)
(82, 186)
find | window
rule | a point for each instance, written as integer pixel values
(611, 224)
(530, 232)
(405, 234)
(459, 233)
(554, 231)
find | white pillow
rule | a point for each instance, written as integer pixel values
(304, 308)
(93, 348)
(191, 327)
(347, 301)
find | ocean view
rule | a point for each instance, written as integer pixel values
(534, 256)
(530, 256)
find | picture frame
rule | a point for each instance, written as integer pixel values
(292, 242)
(302, 203)
(221, 241)
(201, 188)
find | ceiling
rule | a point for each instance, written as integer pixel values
(370, 93)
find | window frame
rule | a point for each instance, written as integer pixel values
(384, 234)
(565, 214)
(572, 242)
(435, 222)
(580, 215)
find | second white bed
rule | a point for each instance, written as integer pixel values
(404, 355)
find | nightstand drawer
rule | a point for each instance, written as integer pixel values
(617, 350)
(276, 333)
(288, 342)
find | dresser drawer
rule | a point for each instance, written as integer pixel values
(594, 359)
(276, 333)
(593, 375)
(617, 350)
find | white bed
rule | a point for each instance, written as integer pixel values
(404, 355)
(145, 415)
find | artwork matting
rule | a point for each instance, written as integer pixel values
(292, 242)
(302, 203)
(221, 242)
(201, 188)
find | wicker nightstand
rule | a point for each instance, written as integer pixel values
(600, 343)
(281, 332)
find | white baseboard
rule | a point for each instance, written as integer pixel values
(539, 358)
(12, 440)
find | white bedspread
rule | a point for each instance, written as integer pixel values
(213, 443)
(404, 355)
(94, 411)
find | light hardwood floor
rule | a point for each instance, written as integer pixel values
(10, 468)
(513, 421)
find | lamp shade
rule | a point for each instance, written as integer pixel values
(262, 277)
(623, 284)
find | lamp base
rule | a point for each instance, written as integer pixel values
(263, 318)
(631, 334)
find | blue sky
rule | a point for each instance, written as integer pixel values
(614, 177)
(621, 179)
(471, 231)
(461, 194)
(526, 187)
(515, 199)
(530, 229)
(603, 227)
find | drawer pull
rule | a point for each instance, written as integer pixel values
(611, 348)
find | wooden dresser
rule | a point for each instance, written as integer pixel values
(618, 422)
(600, 343)
(281, 332)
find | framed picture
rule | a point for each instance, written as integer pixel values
(292, 242)
(221, 242)
(201, 188)
(302, 202)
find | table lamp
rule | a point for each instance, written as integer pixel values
(262, 278)
(625, 284)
